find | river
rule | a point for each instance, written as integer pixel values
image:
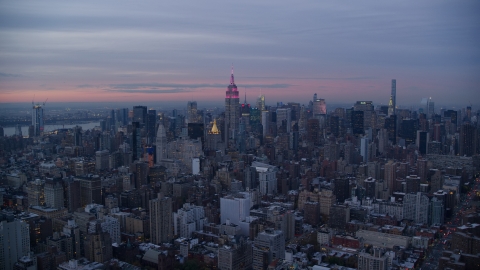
(9, 131)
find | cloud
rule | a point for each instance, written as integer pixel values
(86, 86)
(151, 91)
(191, 86)
(9, 75)
(315, 78)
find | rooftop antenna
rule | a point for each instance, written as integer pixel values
(245, 96)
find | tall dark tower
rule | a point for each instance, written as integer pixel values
(232, 110)
(392, 103)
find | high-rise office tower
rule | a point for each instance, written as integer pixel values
(364, 143)
(284, 116)
(140, 115)
(430, 108)
(367, 108)
(121, 116)
(192, 115)
(77, 133)
(391, 127)
(319, 107)
(161, 143)
(232, 110)
(150, 125)
(111, 119)
(37, 119)
(437, 211)
(14, 241)
(468, 140)
(161, 223)
(408, 130)
(422, 141)
(136, 141)
(358, 122)
(390, 173)
(341, 189)
(394, 95)
(266, 123)
(72, 230)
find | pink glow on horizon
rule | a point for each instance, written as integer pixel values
(299, 90)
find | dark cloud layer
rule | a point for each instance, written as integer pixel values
(427, 45)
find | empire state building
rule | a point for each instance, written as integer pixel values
(232, 110)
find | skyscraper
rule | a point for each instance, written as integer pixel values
(192, 112)
(261, 102)
(430, 108)
(140, 115)
(122, 116)
(232, 109)
(364, 142)
(37, 119)
(150, 124)
(14, 241)
(161, 143)
(468, 140)
(394, 95)
(161, 223)
(367, 108)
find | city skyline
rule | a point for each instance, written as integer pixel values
(138, 52)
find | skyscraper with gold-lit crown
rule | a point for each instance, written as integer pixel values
(214, 138)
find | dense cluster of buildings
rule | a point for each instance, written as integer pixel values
(289, 186)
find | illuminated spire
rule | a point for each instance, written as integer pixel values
(245, 96)
(214, 128)
(232, 80)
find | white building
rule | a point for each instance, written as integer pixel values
(235, 207)
(415, 207)
(267, 177)
(188, 219)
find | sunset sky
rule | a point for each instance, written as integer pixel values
(167, 51)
